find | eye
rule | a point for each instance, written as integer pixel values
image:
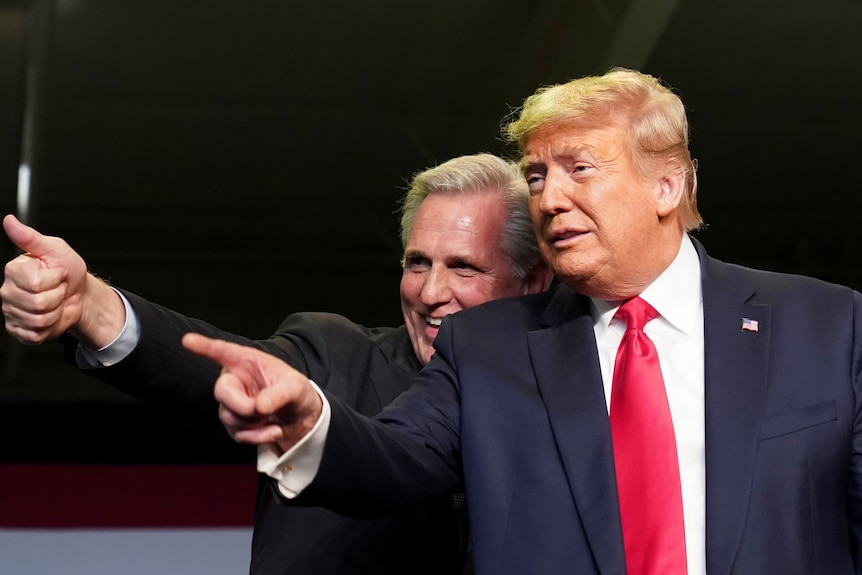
(416, 263)
(580, 167)
(535, 181)
(464, 267)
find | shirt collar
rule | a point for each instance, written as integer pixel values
(675, 294)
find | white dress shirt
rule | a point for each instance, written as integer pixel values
(677, 333)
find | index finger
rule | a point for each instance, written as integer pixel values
(224, 353)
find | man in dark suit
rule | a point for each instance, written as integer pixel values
(467, 238)
(760, 374)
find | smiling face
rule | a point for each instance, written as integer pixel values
(605, 229)
(452, 261)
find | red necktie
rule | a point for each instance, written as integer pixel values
(645, 455)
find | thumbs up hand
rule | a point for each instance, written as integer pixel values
(47, 291)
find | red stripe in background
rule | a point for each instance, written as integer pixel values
(93, 496)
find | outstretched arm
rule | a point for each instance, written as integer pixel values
(264, 401)
(47, 292)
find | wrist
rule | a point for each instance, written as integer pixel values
(102, 314)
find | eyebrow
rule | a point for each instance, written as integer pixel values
(527, 164)
(564, 152)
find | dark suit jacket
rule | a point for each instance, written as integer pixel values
(513, 403)
(365, 367)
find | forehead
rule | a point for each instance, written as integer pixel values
(605, 138)
(463, 221)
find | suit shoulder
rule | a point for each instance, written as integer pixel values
(332, 325)
(335, 351)
(521, 311)
(781, 283)
(796, 294)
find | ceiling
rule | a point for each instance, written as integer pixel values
(242, 160)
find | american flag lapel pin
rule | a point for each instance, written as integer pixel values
(749, 324)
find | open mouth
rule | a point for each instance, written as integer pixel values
(433, 321)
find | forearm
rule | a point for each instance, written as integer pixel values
(103, 315)
(369, 468)
(159, 371)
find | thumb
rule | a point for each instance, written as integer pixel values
(25, 237)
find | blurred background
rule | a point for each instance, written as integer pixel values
(239, 161)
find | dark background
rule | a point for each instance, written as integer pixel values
(239, 161)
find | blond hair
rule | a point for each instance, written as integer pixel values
(656, 117)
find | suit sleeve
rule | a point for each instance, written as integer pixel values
(161, 372)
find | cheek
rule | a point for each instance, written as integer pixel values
(475, 289)
(477, 292)
(536, 213)
(410, 288)
(626, 228)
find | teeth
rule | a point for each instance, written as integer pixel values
(434, 321)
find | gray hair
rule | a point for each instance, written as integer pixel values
(481, 173)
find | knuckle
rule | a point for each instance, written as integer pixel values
(35, 322)
(41, 303)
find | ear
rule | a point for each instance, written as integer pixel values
(538, 279)
(671, 189)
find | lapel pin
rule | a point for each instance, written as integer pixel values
(750, 324)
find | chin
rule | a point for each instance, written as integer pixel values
(574, 268)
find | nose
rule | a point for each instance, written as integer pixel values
(556, 196)
(436, 289)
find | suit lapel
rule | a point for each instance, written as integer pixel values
(735, 373)
(566, 364)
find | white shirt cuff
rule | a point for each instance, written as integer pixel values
(296, 468)
(118, 349)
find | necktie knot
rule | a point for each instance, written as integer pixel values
(636, 313)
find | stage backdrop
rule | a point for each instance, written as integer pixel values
(100, 488)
